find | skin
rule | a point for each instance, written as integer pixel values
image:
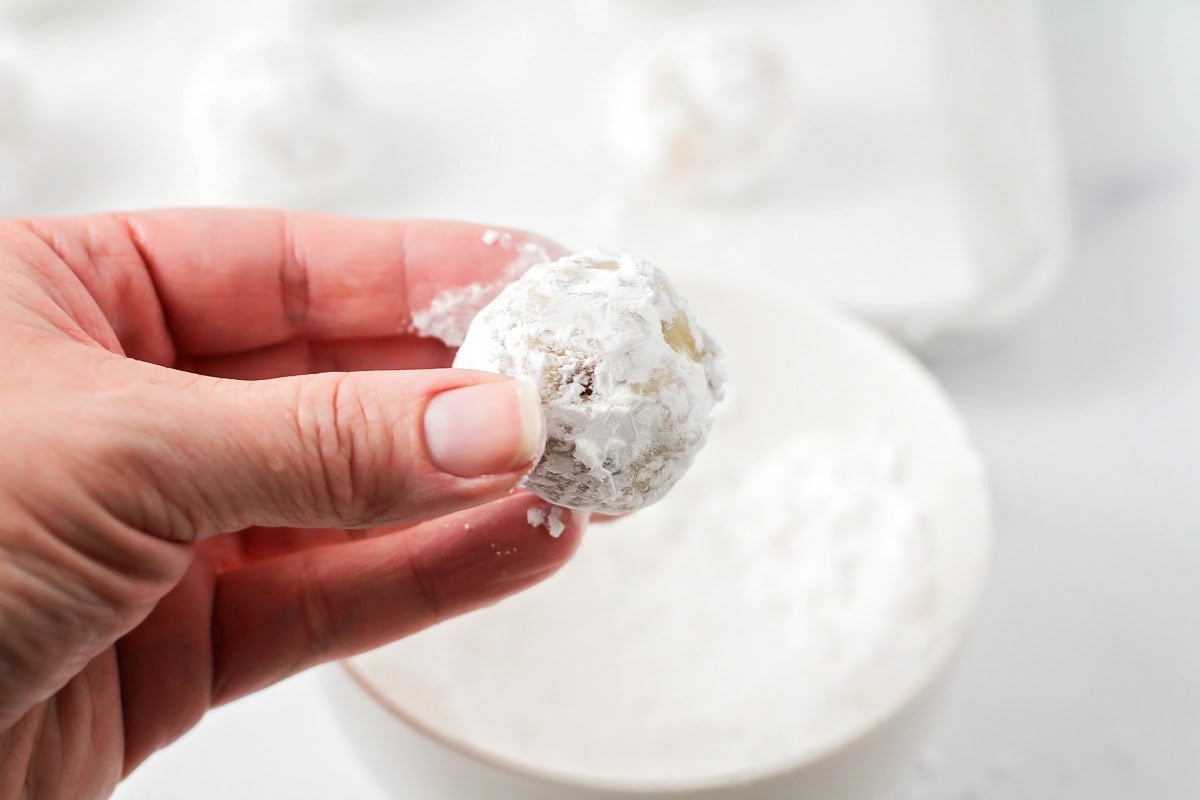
(212, 472)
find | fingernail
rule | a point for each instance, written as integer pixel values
(485, 429)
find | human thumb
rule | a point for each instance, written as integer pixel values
(336, 449)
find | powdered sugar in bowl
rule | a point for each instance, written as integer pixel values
(780, 626)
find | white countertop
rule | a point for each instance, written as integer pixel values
(1083, 681)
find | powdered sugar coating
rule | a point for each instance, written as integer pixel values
(450, 312)
(627, 376)
(553, 519)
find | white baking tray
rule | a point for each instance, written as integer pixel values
(923, 190)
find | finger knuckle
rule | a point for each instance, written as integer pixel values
(425, 586)
(344, 426)
(318, 612)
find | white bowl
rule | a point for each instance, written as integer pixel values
(840, 373)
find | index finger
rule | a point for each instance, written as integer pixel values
(231, 281)
(235, 280)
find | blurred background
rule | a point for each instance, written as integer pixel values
(1010, 188)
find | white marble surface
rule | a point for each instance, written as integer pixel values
(1084, 678)
(1083, 682)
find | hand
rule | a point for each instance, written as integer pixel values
(194, 504)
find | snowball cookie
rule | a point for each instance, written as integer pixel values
(273, 118)
(702, 113)
(628, 377)
(16, 114)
